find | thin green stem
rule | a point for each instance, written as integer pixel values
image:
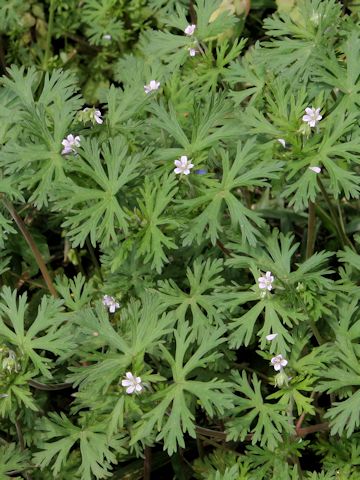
(342, 225)
(49, 34)
(344, 240)
(30, 241)
(311, 230)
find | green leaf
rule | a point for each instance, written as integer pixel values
(267, 421)
(97, 450)
(173, 414)
(45, 334)
(95, 197)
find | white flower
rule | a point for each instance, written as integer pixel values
(183, 165)
(189, 30)
(110, 303)
(95, 114)
(107, 36)
(278, 362)
(69, 143)
(153, 85)
(315, 169)
(312, 116)
(132, 383)
(282, 141)
(271, 336)
(192, 52)
(266, 281)
(97, 117)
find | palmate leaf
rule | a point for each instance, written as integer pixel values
(201, 302)
(344, 75)
(6, 225)
(76, 292)
(96, 448)
(214, 66)
(102, 17)
(301, 41)
(278, 315)
(95, 196)
(173, 48)
(250, 73)
(154, 236)
(173, 414)
(219, 198)
(45, 334)
(200, 132)
(34, 158)
(267, 421)
(342, 373)
(142, 330)
(12, 460)
(337, 149)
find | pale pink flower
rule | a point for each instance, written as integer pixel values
(315, 169)
(132, 383)
(271, 336)
(183, 165)
(189, 30)
(278, 362)
(152, 86)
(312, 116)
(266, 281)
(70, 143)
(110, 303)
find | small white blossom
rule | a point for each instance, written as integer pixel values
(107, 36)
(183, 165)
(266, 281)
(315, 169)
(278, 362)
(189, 30)
(312, 116)
(153, 85)
(271, 336)
(95, 114)
(132, 383)
(192, 52)
(110, 303)
(70, 143)
(282, 141)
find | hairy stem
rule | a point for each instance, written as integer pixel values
(30, 241)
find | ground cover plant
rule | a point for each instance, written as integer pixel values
(179, 234)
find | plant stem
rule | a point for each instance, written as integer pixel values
(311, 230)
(341, 231)
(49, 34)
(21, 443)
(30, 241)
(49, 388)
(93, 258)
(147, 463)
